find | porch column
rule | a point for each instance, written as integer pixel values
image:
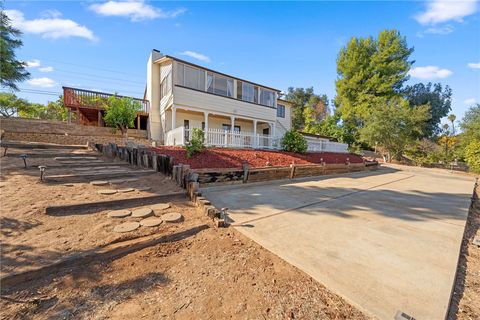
(273, 129)
(138, 122)
(205, 114)
(255, 142)
(232, 118)
(174, 116)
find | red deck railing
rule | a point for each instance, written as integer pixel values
(79, 98)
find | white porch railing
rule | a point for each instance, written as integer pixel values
(228, 139)
(175, 137)
(327, 146)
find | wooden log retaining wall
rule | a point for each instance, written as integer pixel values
(184, 176)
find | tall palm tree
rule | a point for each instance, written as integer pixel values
(452, 118)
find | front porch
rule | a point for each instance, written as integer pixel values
(220, 130)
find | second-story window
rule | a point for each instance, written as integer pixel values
(190, 77)
(219, 85)
(247, 92)
(267, 98)
(280, 111)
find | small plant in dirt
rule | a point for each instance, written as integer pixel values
(120, 113)
(294, 141)
(196, 142)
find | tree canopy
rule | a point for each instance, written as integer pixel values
(11, 69)
(394, 126)
(437, 98)
(120, 113)
(370, 73)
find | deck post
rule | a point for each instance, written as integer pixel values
(138, 122)
(99, 120)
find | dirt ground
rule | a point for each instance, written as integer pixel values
(466, 298)
(198, 272)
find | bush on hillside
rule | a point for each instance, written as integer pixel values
(196, 143)
(294, 141)
(472, 156)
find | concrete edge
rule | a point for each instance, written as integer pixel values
(475, 196)
(92, 207)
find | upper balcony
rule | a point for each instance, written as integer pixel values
(88, 99)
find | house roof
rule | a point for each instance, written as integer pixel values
(214, 71)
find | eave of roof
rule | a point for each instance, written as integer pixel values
(217, 72)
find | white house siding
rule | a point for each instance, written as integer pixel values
(284, 124)
(184, 97)
(155, 130)
(167, 100)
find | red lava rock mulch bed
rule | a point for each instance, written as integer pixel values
(234, 158)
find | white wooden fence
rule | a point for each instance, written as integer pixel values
(228, 139)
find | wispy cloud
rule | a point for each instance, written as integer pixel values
(42, 82)
(196, 55)
(439, 30)
(430, 73)
(470, 101)
(50, 27)
(135, 10)
(441, 11)
(474, 65)
(33, 63)
(46, 69)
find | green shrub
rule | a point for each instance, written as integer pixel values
(472, 156)
(294, 141)
(196, 143)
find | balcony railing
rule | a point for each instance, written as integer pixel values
(78, 98)
(228, 139)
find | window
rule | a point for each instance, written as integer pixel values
(246, 91)
(190, 77)
(219, 85)
(166, 85)
(267, 98)
(280, 111)
(228, 127)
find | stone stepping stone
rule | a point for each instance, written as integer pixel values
(119, 213)
(144, 189)
(98, 182)
(130, 179)
(151, 222)
(127, 227)
(126, 190)
(142, 213)
(158, 208)
(68, 184)
(172, 217)
(107, 191)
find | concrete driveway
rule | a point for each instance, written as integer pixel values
(386, 240)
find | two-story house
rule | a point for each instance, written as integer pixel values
(231, 111)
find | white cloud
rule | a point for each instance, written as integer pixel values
(42, 82)
(196, 55)
(474, 65)
(430, 72)
(33, 63)
(439, 11)
(470, 101)
(439, 30)
(50, 27)
(135, 10)
(46, 69)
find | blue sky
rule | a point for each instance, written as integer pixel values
(105, 45)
